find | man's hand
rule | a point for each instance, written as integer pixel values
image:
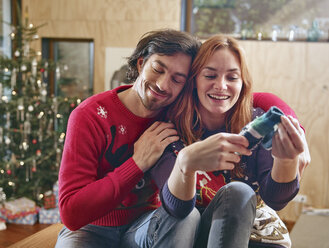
(150, 146)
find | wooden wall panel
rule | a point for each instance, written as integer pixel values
(298, 73)
(110, 23)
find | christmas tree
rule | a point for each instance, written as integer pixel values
(32, 120)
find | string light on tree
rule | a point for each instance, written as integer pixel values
(32, 121)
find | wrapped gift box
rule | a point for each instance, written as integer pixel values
(20, 211)
(30, 219)
(26, 218)
(49, 200)
(20, 205)
(49, 216)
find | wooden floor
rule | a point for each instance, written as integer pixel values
(15, 232)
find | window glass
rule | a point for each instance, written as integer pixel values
(262, 19)
(5, 29)
(75, 61)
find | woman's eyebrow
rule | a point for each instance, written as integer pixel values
(213, 69)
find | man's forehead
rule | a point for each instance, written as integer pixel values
(177, 61)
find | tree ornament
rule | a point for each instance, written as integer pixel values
(20, 109)
(1, 135)
(58, 73)
(33, 168)
(26, 49)
(27, 173)
(30, 108)
(45, 72)
(2, 196)
(23, 67)
(13, 78)
(25, 145)
(7, 141)
(43, 91)
(34, 65)
(8, 120)
(27, 125)
(61, 138)
(13, 159)
(17, 53)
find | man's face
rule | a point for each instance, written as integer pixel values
(161, 78)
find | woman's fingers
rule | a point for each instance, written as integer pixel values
(288, 140)
(292, 128)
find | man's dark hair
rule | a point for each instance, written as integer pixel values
(163, 42)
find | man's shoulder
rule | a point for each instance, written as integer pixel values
(104, 99)
(97, 98)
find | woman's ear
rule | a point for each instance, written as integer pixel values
(140, 62)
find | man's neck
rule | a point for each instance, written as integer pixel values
(131, 100)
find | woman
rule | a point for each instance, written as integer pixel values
(214, 110)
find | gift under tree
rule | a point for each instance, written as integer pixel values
(32, 121)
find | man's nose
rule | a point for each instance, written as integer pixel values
(163, 83)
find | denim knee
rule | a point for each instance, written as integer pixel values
(240, 197)
(193, 219)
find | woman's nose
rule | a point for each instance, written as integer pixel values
(220, 84)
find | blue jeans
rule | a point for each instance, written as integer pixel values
(153, 229)
(228, 219)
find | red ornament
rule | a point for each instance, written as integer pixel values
(34, 141)
(34, 169)
(42, 69)
(9, 172)
(72, 105)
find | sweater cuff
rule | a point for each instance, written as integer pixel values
(128, 173)
(174, 206)
(279, 194)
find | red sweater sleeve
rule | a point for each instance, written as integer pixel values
(265, 101)
(83, 197)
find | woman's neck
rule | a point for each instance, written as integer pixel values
(213, 122)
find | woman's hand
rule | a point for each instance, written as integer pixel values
(289, 150)
(217, 152)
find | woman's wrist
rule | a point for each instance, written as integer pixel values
(284, 170)
(184, 165)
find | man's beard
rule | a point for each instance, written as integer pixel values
(149, 102)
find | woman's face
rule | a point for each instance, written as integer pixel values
(218, 85)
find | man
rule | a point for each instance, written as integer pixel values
(106, 196)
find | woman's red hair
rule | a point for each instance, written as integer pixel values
(185, 114)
